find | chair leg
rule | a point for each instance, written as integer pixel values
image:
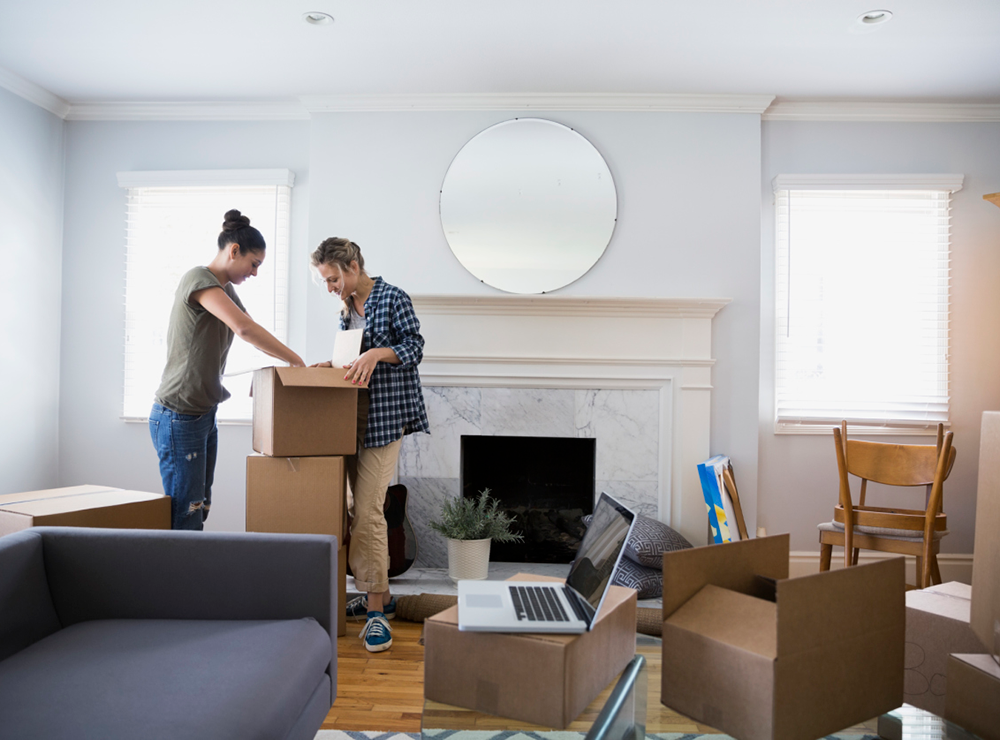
(920, 573)
(825, 555)
(935, 571)
(854, 559)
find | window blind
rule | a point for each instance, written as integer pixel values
(169, 230)
(862, 307)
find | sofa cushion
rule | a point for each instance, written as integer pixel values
(165, 679)
(648, 582)
(649, 540)
(26, 611)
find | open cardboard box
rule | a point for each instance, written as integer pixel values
(764, 657)
(543, 679)
(301, 495)
(84, 506)
(937, 624)
(304, 411)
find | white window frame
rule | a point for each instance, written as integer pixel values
(782, 185)
(282, 180)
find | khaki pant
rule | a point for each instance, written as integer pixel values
(369, 473)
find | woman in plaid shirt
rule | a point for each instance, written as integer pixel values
(391, 407)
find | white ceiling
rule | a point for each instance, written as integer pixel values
(255, 50)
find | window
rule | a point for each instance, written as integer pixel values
(173, 223)
(862, 301)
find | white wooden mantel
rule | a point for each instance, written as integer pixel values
(548, 341)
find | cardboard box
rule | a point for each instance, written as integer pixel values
(543, 679)
(937, 624)
(985, 616)
(304, 411)
(973, 701)
(761, 656)
(84, 506)
(297, 495)
(301, 495)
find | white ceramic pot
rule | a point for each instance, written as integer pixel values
(468, 560)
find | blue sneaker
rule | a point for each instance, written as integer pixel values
(357, 608)
(377, 633)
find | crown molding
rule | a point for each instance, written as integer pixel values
(755, 104)
(33, 93)
(189, 111)
(950, 182)
(547, 305)
(791, 109)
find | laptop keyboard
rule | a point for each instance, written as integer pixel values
(537, 604)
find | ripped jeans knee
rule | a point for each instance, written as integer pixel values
(187, 446)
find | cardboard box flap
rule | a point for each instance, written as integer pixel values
(79, 502)
(314, 377)
(838, 605)
(732, 618)
(734, 565)
(9, 499)
(985, 615)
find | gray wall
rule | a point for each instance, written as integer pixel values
(688, 226)
(798, 474)
(31, 215)
(96, 446)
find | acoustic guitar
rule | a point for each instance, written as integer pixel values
(402, 541)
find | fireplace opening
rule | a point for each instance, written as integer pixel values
(545, 483)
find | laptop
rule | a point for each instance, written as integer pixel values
(545, 606)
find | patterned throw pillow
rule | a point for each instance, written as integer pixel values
(648, 582)
(649, 540)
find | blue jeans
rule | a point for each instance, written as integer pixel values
(187, 447)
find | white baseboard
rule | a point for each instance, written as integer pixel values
(954, 567)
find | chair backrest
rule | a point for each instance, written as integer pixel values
(894, 464)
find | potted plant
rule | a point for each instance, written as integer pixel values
(469, 525)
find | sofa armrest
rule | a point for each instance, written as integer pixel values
(163, 574)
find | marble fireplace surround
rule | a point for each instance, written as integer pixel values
(634, 373)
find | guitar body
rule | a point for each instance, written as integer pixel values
(402, 541)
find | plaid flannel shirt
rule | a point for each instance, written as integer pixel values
(396, 401)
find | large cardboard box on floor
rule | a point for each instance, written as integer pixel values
(300, 495)
(985, 616)
(543, 679)
(937, 624)
(973, 701)
(764, 657)
(84, 506)
(304, 411)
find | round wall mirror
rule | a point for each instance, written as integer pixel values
(528, 206)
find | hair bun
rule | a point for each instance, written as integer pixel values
(234, 221)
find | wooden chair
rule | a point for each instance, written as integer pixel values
(905, 531)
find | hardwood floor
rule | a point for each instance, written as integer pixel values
(379, 691)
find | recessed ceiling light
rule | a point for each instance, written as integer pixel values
(317, 18)
(874, 17)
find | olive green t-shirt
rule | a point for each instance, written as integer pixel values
(197, 346)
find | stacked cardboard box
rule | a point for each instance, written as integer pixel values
(304, 423)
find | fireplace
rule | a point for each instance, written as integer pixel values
(545, 483)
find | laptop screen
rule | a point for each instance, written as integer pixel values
(598, 554)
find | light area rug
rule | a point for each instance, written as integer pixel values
(513, 735)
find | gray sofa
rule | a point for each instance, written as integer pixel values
(111, 633)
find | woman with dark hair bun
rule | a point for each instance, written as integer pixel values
(206, 315)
